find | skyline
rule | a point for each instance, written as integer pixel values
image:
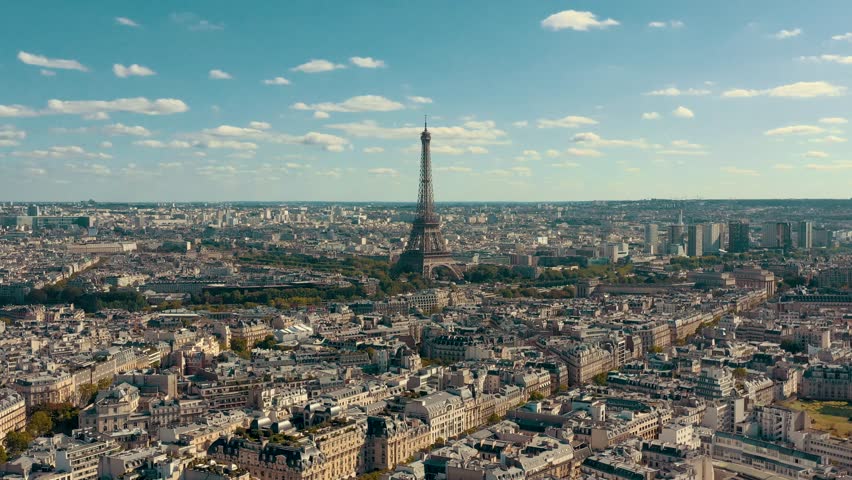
(209, 102)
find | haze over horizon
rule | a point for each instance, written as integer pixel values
(318, 101)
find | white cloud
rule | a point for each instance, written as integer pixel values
(793, 90)
(98, 109)
(595, 140)
(195, 23)
(783, 34)
(683, 112)
(816, 154)
(47, 73)
(570, 121)
(62, 151)
(260, 125)
(126, 22)
(682, 148)
(321, 115)
(782, 166)
(552, 153)
(211, 138)
(159, 144)
(520, 124)
(632, 169)
(676, 92)
(479, 124)
(227, 144)
(334, 172)
(458, 134)
(134, 70)
(10, 136)
(367, 62)
(838, 165)
(670, 23)
(96, 169)
(121, 129)
(828, 139)
(575, 20)
(160, 106)
(106, 144)
(522, 171)
(217, 74)
(218, 171)
(686, 144)
(276, 81)
(528, 155)
(96, 116)
(16, 111)
(843, 37)
(833, 120)
(361, 103)
(583, 152)
(682, 153)
(383, 171)
(420, 100)
(565, 165)
(374, 150)
(795, 130)
(317, 66)
(828, 58)
(449, 149)
(232, 131)
(650, 116)
(42, 61)
(454, 169)
(740, 171)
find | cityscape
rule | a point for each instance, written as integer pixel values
(424, 335)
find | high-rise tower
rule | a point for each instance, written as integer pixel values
(426, 249)
(738, 237)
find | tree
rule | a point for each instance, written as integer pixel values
(240, 347)
(791, 347)
(493, 418)
(17, 442)
(655, 349)
(88, 392)
(740, 373)
(40, 424)
(4, 457)
(536, 396)
(600, 379)
(267, 343)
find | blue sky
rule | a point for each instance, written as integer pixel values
(323, 100)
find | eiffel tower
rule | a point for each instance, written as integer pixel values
(426, 249)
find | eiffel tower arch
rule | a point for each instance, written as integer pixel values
(426, 250)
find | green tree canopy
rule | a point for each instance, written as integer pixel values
(40, 424)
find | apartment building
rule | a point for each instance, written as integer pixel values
(390, 441)
(80, 456)
(13, 412)
(442, 411)
(115, 409)
(43, 388)
(780, 424)
(827, 382)
(585, 361)
(765, 456)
